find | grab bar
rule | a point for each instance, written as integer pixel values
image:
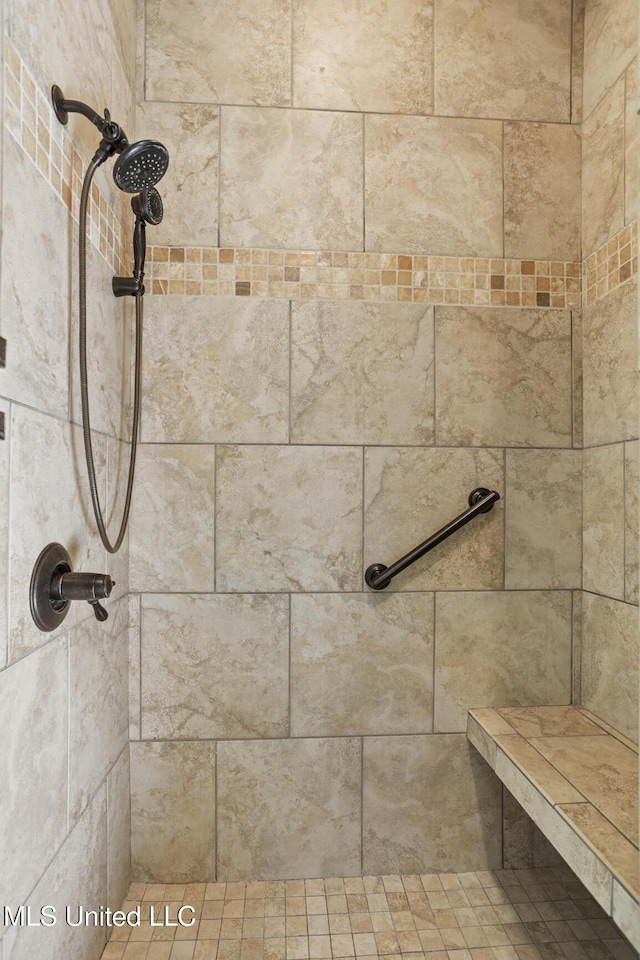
(481, 500)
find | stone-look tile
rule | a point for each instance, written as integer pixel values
(543, 775)
(298, 528)
(311, 788)
(76, 877)
(33, 713)
(118, 463)
(503, 377)
(604, 534)
(603, 170)
(543, 519)
(361, 664)
(226, 54)
(603, 725)
(525, 846)
(98, 703)
(372, 58)
(123, 16)
(216, 371)
(496, 60)
(625, 911)
(54, 506)
(119, 830)
(577, 60)
(610, 40)
(189, 189)
(610, 339)
(576, 376)
(631, 144)
(615, 851)
(362, 373)
(411, 493)
(431, 804)
(610, 662)
(214, 666)
(135, 719)
(542, 191)
(291, 178)
(478, 733)
(549, 722)
(34, 298)
(576, 646)
(5, 445)
(499, 649)
(433, 184)
(173, 812)
(603, 770)
(631, 520)
(172, 514)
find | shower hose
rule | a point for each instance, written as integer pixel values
(84, 386)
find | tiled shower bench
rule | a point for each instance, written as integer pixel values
(577, 778)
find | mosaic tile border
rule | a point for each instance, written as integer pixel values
(611, 265)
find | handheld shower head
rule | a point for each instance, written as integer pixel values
(140, 165)
(148, 206)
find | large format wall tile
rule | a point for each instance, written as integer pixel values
(227, 53)
(431, 804)
(33, 761)
(543, 519)
(433, 184)
(289, 518)
(603, 170)
(189, 189)
(377, 56)
(411, 493)
(173, 812)
(361, 373)
(119, 830)
(5, 410)
(503, 60)
(610, 43)
(603, 534)
(172, 513)
(215, 666)
(216, 371)
(542, 191)
(311, 788)
(500, 649)
(291, 178)
(631, 520)
(361, 664)
(503, 377)
(610, 367)
(610, 662)
(631, 159)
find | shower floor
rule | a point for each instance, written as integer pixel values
(500, 915)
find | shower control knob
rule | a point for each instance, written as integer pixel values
(54, 586)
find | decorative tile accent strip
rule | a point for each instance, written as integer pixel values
(611, 265)
(294, 274)
(30, 120)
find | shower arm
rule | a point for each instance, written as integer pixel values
(114, 139)
(481, 500)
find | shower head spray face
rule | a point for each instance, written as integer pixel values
(148, 205)
(140, 165)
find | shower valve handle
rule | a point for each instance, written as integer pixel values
(54, 586)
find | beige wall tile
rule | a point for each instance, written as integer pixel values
(134, 666)
(497, 60)
(497, 649)
(33, 712)
(610, 344)
(631, 159)
(431, 804)
(361, 664)
(311, 787)
(525, 846)
(577, 376)
(361, 373)
(119, 830)
(189, 189)
(98, 703)
(603, 170)
(411, 493)
(118, 462)
(503, 377)
(172, 512)
(291, 178)
(222, 54)
(214, 666)
(5, 445)
(433, 185)
(631, 520)
(542, 191)
(299, 528)
(625, 913)
(610, 41)
(216, 370)
(173, 812)
(543, 519)
(610, 662)
(373, 57)
(603, 540)
(577, 60)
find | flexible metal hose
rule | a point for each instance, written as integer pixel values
(84, 389)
